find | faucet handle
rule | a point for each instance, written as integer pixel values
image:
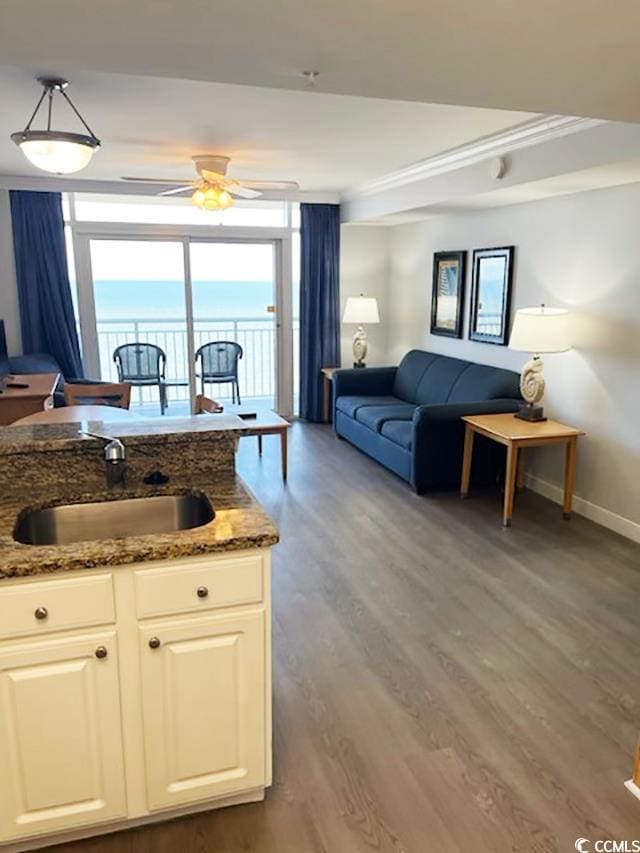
(113, 450)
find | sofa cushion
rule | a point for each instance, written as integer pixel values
(425, 378)
(481, 382)
(350, 405)
(438, 380)
(375, 416)
(410, 372)
(399, 432)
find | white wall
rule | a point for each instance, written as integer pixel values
(364, 268)
(581, 252)
(8, 288)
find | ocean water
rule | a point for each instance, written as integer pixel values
(157, 300)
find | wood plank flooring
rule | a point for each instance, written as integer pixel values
(440, 683)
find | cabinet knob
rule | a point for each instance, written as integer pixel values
(101, 652)
(154, 643)
(203, 592)
(41, 613)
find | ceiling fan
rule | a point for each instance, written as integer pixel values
(212, 190)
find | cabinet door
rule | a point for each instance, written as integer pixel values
(203, 694)
(60, 735)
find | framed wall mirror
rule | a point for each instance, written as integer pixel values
(491, 295)
(447, 296)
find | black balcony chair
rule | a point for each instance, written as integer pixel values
(218, 362)
(142, 365)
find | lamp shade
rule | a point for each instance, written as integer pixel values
(541, 329)
(361, 309)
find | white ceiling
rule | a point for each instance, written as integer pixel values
(150, 127)
(574, 57)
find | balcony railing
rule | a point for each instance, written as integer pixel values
(256, 336)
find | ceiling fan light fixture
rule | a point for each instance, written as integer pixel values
(210, 197)
(224, 199)
(198, 198)
(56, 151)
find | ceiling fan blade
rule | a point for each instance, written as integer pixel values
(241, 191)
(270, 185)
(178, 190)
(155, 180)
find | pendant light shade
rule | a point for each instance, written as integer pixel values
(57, 151)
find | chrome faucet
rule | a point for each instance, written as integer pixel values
(114, 458)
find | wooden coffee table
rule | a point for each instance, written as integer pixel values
(517, 434)
(265, 423)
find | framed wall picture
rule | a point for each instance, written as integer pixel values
(491, 295)
(447, 296)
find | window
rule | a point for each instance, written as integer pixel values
(147, 271)
(176, 211)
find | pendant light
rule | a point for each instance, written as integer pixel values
(56, 151)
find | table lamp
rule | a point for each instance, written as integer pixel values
(537, 330)
(360, 309)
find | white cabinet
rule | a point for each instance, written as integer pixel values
(203, 728)
(60, 735)
(105, 726)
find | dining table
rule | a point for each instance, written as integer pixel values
(77, 414)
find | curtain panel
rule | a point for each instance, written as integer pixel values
(46, 307)
(319, 302)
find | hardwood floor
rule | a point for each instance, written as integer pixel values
(440, 683)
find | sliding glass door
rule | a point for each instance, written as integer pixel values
(233, 288)
(139, 296)
(180, 295)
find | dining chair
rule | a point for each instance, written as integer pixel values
(116, 394)
(218, 362)
(205, 405)
(142, 365)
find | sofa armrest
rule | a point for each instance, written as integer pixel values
(365, 381)
(435, 415)
(438, 438)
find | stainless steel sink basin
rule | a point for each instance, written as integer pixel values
(114, 519)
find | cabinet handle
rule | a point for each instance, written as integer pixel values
(154, 643)
(203, 592)
(41, 613)
(101, 652)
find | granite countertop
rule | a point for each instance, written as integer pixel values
(239, 523)
(57, 436)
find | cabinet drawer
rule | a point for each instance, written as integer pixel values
(202, 584)
(42, 606)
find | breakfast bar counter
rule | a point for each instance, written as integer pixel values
(43, 466)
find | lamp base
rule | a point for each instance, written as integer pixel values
(527, 412)
(359, 347)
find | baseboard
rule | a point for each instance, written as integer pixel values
(631, 786)
(618, 523)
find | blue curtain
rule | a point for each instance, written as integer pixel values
(319, 301)
(46, 308)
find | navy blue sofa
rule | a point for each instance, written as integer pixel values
(408, 417)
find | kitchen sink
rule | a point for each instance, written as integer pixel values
(113, 519)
